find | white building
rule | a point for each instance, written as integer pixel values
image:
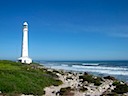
(24, 51)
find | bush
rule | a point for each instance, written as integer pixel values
(66, 91)
(51, 74)
(55, 71)
(57, 83)
(116, 83)
(83, 89)
(121, 88)
(110, 94)
(85, 73)
(70, 78)
(110, 78)
(90, 79)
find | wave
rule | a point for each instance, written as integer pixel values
(90, 64)
(99, 70)
(64, 65)
(99, 67)
(125, 73)
(120, 71)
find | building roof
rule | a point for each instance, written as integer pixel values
(25, 23)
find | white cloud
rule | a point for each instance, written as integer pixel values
(122, 35)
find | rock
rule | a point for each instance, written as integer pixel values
(110, 78)
(85, 73)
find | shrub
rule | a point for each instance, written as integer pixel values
(56, 71)
(110, 78)
(116, 83)
(85, 73)
(51, 74)
(69, 78)
(83, 89)
(57, 83)
(90, 79)
(121, 88)
(66, 91)
(110, 94)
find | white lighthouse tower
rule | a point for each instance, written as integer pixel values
(24, 51)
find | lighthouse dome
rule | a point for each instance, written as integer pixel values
(25, 23)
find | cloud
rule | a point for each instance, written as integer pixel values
(118, 31)
(108, 30)
(115, 30)
(122, 35)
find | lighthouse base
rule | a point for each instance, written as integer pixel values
(25, 60)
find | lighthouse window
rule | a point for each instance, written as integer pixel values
(25, 26)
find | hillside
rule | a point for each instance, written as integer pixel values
(17, 78)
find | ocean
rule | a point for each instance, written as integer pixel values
(118, 69)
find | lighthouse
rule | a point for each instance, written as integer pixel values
(24, 50)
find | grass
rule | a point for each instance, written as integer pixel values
(17, 78)
(9, 65)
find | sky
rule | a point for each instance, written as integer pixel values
(65, 29)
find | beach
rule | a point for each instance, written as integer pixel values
(73, 85)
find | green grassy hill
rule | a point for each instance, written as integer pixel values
(17, 78)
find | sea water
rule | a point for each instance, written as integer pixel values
(118, 69)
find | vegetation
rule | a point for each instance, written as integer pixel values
(82, 89)
(17, 78)
(116, 83)
(120, 88)
(66, 91)
(110, 94)
(52, 74)
(70, 78)
(91, 79)
(110, 78)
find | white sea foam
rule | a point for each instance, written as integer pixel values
(64, 65)
(120, 71)
(90, 64)
(108, 72)
(99, 67)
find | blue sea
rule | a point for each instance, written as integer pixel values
(118, 69)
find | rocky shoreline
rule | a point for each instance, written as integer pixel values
(84, 84)
(36, 80)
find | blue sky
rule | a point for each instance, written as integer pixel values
(65, 29)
